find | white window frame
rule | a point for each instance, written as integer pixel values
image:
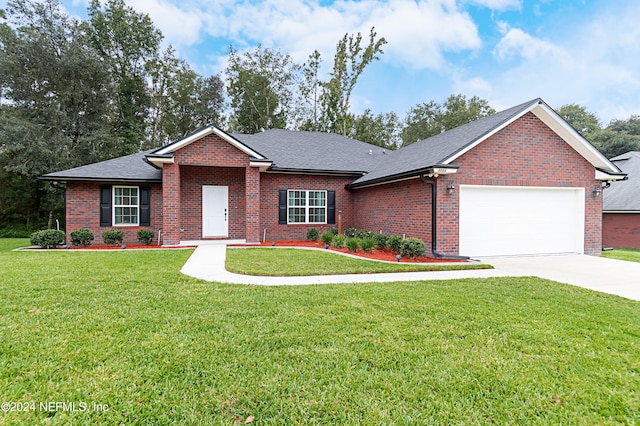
(115, 206)
(306, 207)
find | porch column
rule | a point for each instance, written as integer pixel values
(171, 204)
(252, 203)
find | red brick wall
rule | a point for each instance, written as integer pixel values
(192, 180)
(270, 183)
(211, 151)
(621, 230)
(83, 211)
(397, 208)
(525, 153)
(528, 153)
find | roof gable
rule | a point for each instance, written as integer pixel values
(444, 149)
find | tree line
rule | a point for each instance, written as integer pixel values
(73, 92)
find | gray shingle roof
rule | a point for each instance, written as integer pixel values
(317, 151)
(435, 150)
(624, 195)
(130, 168)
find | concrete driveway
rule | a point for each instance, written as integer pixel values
(596, 273)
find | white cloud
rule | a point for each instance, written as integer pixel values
(180, 27)
(518, 43)
(498, 4)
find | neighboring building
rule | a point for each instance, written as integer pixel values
(521, 181)
(621, 208)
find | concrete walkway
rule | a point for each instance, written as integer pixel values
(595, 273)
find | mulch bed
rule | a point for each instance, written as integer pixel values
(376, 254)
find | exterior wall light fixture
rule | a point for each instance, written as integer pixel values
(597, 190)
(450, 188)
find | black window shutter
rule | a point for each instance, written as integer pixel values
(105, 206)
(145, 207)
(331, 207)
(282, 207)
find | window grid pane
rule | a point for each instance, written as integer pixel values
(306, 206)
(125, 205)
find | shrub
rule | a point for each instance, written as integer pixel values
(362, 234)
(145, 236)
(350, 232)
(113, 236)
(48, 238)
(380, 240)
(15, 233)
(327, 237)
(312, 234)
(353, 244)
(339, 241)
(412, 247)
(367, 245)
(81, 237)
(334, 231)
(394, 242)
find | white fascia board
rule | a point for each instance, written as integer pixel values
(160, 161)
(603, 176)
(488, 135)
(556, 123)
(204, 132)
(261, 165)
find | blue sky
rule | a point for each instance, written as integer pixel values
(505, 51)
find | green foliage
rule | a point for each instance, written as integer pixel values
(350, 60)
(48, 238)
(381, 130)
(353, 244)
(334, 231)
(380, 240)
(362, 234)
(260, 89)
(367, 245)
(430, 119)
(81, 237)
(412, 247)
(394, 242)
(145, 236)
(339, 241)
(15, 233)
(580, 119)
(350, 232)
(327, 237)
(113, 236)
(312, 234)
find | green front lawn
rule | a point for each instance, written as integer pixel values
(296, 262)
(632, 255)
(127, 332)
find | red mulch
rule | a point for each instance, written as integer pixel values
(119, 247)
(376, 254)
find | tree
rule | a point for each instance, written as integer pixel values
(126, 41)
(309, 94)
(380, 130)
(429, 119)
(618, 137)
(260, 88)
(56, 109)
(350, 60)
(580, 119)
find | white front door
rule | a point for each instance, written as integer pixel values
(215, 211)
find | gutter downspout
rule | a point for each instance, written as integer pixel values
(434, 223)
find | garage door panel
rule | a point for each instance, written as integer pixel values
(497, 220)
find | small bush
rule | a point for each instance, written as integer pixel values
(312, 234)
(334, 231)
(394, 242)
(48, 238)
(145, 236)
(380, 240)
(339, 241)
(412, 247)
(113, 236)
(353, 244)
(81, 237)
(350, 232)
(327, 237)
(15, 233)
(362, 234)
(367, 245)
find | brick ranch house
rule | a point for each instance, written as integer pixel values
(621, 210)
(521, 181)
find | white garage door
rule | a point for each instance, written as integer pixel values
(500, 220)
